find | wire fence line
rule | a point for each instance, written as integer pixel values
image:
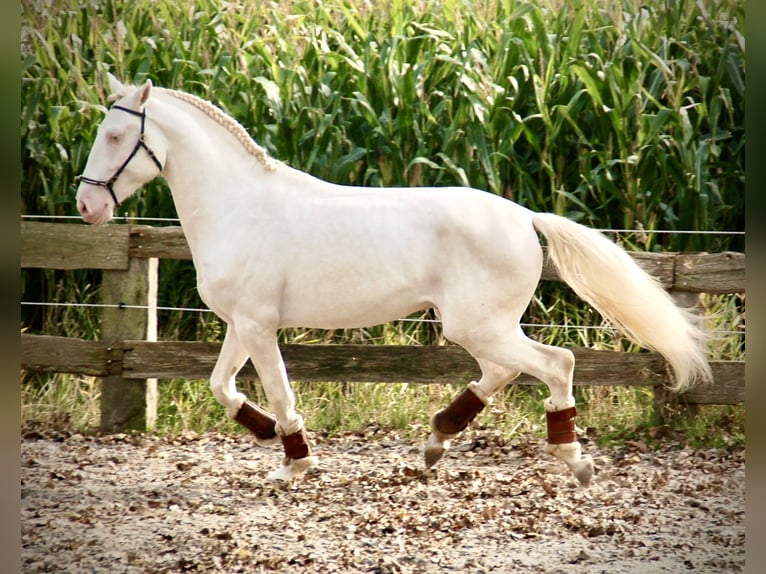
(131, 219)
(401, 320)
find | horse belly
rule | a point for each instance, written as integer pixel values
(361, 298)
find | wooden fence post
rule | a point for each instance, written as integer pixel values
(128, 404)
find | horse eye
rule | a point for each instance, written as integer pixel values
(114, 137)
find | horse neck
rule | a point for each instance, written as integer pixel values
(208, 169)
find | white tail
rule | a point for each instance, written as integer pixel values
(606, 277)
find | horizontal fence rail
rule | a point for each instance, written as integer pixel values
(355, 363)
(130, 359)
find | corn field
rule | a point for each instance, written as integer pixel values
(612, 113)
(620, 115)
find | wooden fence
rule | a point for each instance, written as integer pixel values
(130, 359)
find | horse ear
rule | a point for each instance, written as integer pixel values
(145, 91)
(115, 86)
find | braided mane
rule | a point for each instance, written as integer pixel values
(229, 123)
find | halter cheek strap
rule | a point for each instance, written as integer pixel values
(108, 184)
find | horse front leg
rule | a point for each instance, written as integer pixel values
(223, 385)
(289, 427)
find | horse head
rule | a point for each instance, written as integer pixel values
(123, 157)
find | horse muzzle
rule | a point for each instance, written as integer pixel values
(95, 205)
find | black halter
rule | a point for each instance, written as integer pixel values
(109, 183)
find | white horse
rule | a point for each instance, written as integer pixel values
(275, 247)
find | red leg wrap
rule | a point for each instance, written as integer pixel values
(257, 421)
(296, 444)
(561, 426)
(458, 414)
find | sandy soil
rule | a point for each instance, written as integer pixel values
(143, 504)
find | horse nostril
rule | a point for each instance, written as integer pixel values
(82, 208)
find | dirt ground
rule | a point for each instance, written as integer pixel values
(142, 504)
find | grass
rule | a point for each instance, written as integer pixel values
(61, 401)
(610, 415)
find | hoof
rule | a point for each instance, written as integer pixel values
(583, 470)
(435, 448)
(433, 455)
(291, 468)
(581, 465)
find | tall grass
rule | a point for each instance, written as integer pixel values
(617, 114)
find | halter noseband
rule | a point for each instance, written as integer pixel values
(109, 183)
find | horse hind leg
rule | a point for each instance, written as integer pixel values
(451, 421)
(510, 356)
(555, 367)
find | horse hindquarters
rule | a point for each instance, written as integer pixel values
(605, 276)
